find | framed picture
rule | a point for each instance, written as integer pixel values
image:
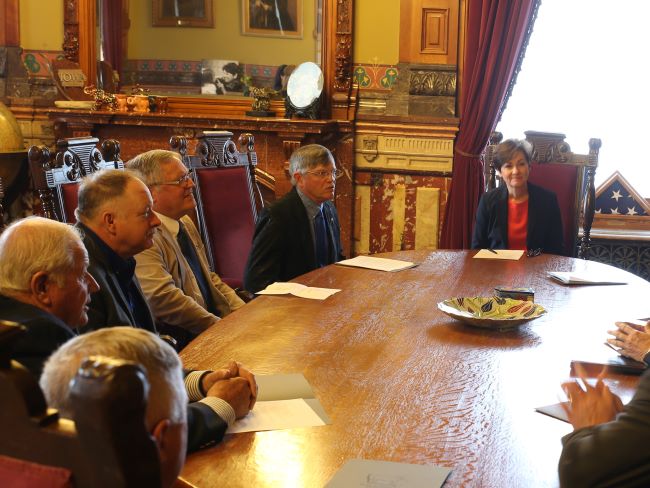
(272, 18)
(182, 13)
(221, 77)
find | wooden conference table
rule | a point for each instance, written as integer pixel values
(403, 382)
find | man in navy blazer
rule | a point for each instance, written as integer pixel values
(300, 232)
(115, 214)
(44, 285)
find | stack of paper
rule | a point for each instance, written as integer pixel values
(584, 278)
(511, 254)
(284, 401)
(380, 474)
(380, 264)
(298, 290)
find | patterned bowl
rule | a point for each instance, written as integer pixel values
(491, 312)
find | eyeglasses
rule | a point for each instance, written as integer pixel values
(179, 182)
(324, 173)
(531, 253)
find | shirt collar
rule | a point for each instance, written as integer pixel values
(123, 268)
(172, 225)
(312, 207)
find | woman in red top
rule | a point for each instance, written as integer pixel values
(517, 214)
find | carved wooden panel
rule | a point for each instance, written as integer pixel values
(429, 31)
(435, 31)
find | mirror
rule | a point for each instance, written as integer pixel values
(335, 48)
(304, 90)
(172, 59)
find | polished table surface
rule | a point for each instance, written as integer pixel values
(403, 382)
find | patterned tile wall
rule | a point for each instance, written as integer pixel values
(375, 76)
(36, 61)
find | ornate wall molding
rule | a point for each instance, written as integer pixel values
(432, 83)
(344, 24)
(71, 31)
(403, 153)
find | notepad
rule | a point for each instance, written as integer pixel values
(614, 364)
(511, 254)
(584, 278)
(380, 264)
(284, 401)
(298, 290)
(382, 474)
(555, 410)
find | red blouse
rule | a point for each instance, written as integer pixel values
(517, 224)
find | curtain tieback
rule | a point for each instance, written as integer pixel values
(467, 155)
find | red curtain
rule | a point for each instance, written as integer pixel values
(112, 32)
(497, 31)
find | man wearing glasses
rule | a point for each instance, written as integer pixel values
(300, 232)
(184, 295)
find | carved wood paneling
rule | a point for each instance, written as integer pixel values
(9, 23)
(429, 31)
(435, 31)
(628, 255)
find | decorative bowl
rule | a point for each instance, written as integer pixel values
(491, 312)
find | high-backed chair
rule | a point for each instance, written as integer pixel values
(107, 444)
(569, 175)
(227, 196)
(56, 178)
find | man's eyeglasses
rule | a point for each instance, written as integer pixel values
(531, 253)
(179, 182)
(324, 173)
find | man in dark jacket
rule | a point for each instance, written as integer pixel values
(300, 232)
(115, 215)
(44, 285)
(609, 444)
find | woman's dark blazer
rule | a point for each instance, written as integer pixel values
(544, 221)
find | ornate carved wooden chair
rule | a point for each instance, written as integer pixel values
(569, 175)
(56, 178)
(107, 445)
(228, 198)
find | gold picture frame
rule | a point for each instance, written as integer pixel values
(182, 13)
(272, 18)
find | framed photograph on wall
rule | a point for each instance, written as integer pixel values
(182, 13)
(272, 18)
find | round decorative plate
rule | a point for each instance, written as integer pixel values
(491, 312)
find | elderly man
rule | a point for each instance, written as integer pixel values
(166, 414)
(44, 285)
(116, 217)
(300, 232)
(174, 273)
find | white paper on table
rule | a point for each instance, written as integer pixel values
(511, 254)
(298, 290)
(380, 264)
(585, 278)
(382, 474)
(277, 415)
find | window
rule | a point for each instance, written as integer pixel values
(584, 75)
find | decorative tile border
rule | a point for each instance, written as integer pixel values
(35, 64)
(375, 76)
(168, 65)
